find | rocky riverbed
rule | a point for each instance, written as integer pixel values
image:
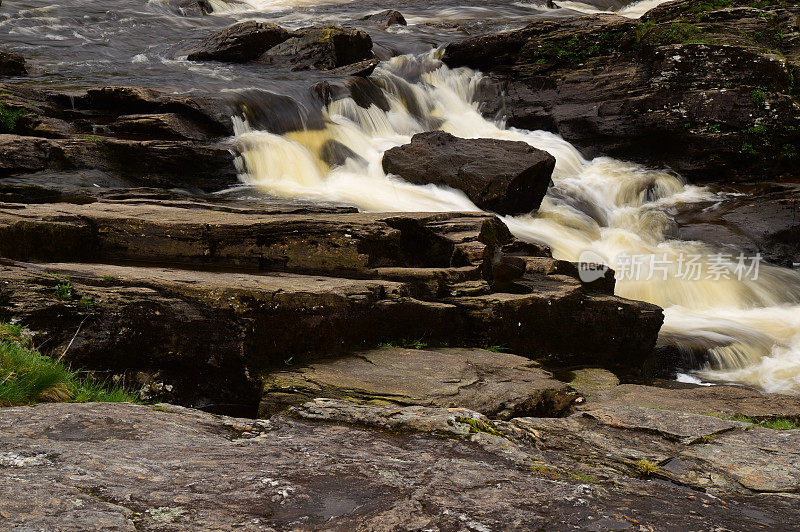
(342, 270)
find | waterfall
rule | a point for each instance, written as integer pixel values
(749, 328)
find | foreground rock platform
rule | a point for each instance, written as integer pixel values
(345, 466)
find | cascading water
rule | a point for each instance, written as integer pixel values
(748, 328)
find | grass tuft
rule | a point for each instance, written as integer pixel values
(646, 468)
(27, 376)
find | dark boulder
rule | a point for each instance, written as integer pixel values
(239, 43)
(387, 18)
(325, 48)
(708, 92)
(12, 64)
(497, 175)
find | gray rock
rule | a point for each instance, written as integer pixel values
(384, 19)
(241, 42)
(325, 48)
(127, 467)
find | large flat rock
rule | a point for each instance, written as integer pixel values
(496, 384)
(726, 401)
(126, 467)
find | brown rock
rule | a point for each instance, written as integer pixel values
(12, 64)
(384, 19)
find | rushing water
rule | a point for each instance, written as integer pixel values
(750, 327)
(603, 209)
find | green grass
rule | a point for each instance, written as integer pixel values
(28, 376)
(498, 349)
(777, 423)
(406, 344)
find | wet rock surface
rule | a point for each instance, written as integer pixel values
(245, 41)
(762, 218)
(12, 64)
(500, 176)
(340, 465)
(703, 90)
(134, 135)
(324, 48)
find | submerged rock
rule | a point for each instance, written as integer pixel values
(239, 43)
(325, 48)
(707, 91)
(497, 175)
(192, 8)
(498, 385)
(387, 18)
(12, 64)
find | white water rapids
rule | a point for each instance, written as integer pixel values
(751, 328)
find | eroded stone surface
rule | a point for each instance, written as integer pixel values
(125, 467)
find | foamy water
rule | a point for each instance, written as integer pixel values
(750, 328)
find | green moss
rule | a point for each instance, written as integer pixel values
(405, 344)
(789, 151)
(9, 116)
(578, 48)
(478, 426)
(714, 128)
(758, 96)
(93, 138)
(547, 471)
(775, 423)
(581, 477)
(748, 149)
(498, 349)
(702, 6)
